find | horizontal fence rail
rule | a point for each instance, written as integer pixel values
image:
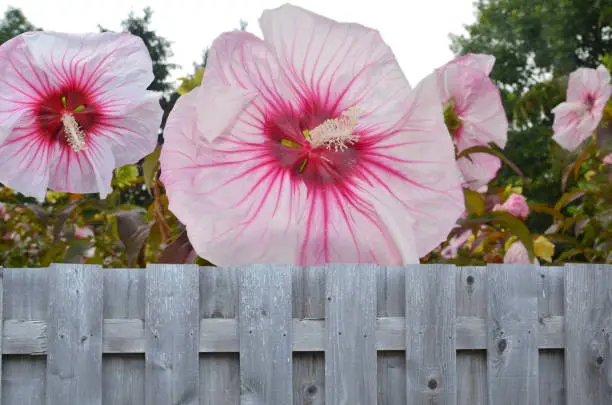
(280, 335)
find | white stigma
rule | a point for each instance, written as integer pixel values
(336, 132)
(74, 134)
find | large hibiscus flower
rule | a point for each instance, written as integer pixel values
(310, 147)
(72, 109)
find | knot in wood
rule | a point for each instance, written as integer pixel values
(432, 384)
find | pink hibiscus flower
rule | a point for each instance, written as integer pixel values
(608, 159)
(588, 91)
(309, 147)
(517, 254)
(516, 205)
(72, 109)
(474, 114)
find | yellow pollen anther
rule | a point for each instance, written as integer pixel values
(74, 134)
(336, 132)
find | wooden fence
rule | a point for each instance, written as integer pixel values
(336, 335)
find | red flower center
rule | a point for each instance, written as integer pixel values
(300, 150)
(57, 106)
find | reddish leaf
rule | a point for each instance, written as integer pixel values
(179, 251)
(494, 152)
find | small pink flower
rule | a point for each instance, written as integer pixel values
(456, 242)
(516, 205)
(83, 232)
(517, 254)
(588, 91)
(474, 114)
(73, 108)
(608, 159)
(309, 147)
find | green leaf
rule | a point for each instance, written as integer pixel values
(150, 166)
(575, 166)
(494, 152)
(568, 198)
(125, 176)
(76, 250)
(474, 202)
(546, 209)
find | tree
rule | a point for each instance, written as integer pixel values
(14, 23)
(536, 45)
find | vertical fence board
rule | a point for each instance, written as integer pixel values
(471, 364)
(512, 350)
(350, 352)
(431, 367)
(25, 298)
(391, 302)
(265, 335)
(309, 367)
(123, 375)
(550, 305)
(74, 359)
(588, 312)
(172, 335)
(219, 372)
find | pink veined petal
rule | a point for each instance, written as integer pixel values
(344, 64)
(218, 107)
(479, 61)
(585, 81)
(415, 164)
(480, 169)
(133, 134)
(109, 66)
(570, 126)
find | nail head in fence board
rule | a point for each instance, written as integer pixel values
(172, 335)
(350, 352)
(588, 314)
(431, 366)
(74, 359)
(265, 335)
(512, 350)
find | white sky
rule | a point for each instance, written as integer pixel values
(416, 30)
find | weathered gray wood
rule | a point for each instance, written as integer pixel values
(588, 311)
(472, 364)
(308, 305)
(550, 305)
(265, 335)
(74, 359)
(350, 355)
(391, 366)
(431, 364)
(512, 352)
(25, 298)
(172, 335)
(219, 372)
(124, 308)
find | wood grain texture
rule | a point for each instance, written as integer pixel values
(550, 307)
(172, 335)
(265, 335)
(219, 369)
(431, 367)
(25, 298)
(123, 375)
(350, 352)
(308, 312)
(588, 311)
(391, 304)
(512, 352)
(74, 359)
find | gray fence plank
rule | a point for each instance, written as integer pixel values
(588, 312)
(350, 355)
(25, 298)
(512, 352)
(431, 367)
(308, 367)
(172, 335)
(123, 375)
(471, 364)
(265, 335)
(391, 367)
(550, 305)
(74, 359)
(219, 372)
